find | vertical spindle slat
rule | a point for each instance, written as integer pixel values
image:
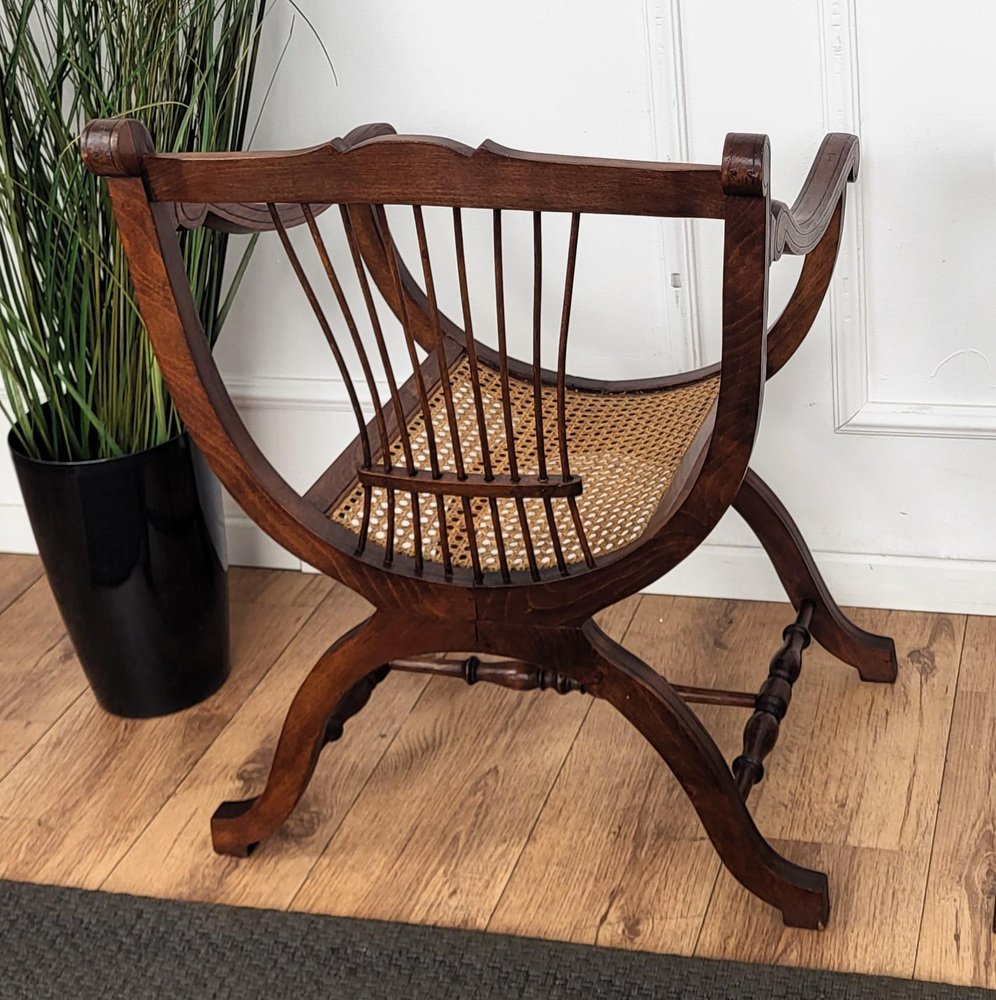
(444, 540)
(475, 383)
(444, 372)
(323, 322)
(394, 267)
(538, 340)
(385, 359)
(589, 559)
(558, 549)
(365, 523)
(354, 332)
(499, 539)
(527, 538)
(468, 326)
(389, 541)
(506, 394)
(417, 533)
(565, 322)
(475, 556)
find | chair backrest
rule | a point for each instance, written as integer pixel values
(352, 181)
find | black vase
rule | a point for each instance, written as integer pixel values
(134, 552)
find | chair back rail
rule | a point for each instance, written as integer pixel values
(441, 462)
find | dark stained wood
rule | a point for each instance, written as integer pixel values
(415, 170)
(512, 674)
(471, 485)
(800, 229)
(771, 705)
(874, 656)
(426, 606)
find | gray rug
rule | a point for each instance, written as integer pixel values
(67, 944)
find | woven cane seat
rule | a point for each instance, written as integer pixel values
(626, 447)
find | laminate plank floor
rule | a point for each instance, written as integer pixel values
(535, 813)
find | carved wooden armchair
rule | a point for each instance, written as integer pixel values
(491, 505)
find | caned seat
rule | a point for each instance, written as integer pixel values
(489, 505)
(625, 447)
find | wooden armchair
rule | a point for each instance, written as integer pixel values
(491, 505)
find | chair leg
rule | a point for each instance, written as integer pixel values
(336, 688)
(674, 731)
(874, 656)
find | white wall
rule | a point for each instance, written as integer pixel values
(878, 435)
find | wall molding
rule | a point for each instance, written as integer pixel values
(856, 410)
(669, 121)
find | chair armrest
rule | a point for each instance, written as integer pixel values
(799, 229)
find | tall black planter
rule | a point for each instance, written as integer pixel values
(134, 553)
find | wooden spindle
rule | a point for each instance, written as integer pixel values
(558, 549)
(527, 538)
(389, 541)
(772, 702)
(506, 393)
(444, 371)
(444, 380)
(514, 674)
(417, 533)
(538, 341)
(444, 537)
(323, 322)
(354, 332)
(475, 556)
(499, 539)
(468, 326)
(572, 505)
(565, 322)
(394, 266)
(385, 358)
(361, 542)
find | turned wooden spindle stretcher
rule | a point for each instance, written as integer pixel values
(490, 507)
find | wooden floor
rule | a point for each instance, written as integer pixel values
(531, 814)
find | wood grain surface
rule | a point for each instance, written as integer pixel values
(534, 813)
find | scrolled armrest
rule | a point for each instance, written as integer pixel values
(799, 229)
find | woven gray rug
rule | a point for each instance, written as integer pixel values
(66, 944)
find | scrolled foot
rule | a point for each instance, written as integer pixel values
(873, 656)
(227, 833)
(811, 911)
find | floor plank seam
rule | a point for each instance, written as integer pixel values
(538, 817)
(933, 838)
(553, 784)
(54, 723)
(186, 774)
(31, 583)
(342, 819)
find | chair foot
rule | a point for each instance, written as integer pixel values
(225, 830)
(674, 731)
(874, 656)
(337, 687)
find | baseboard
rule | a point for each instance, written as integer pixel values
(905, 583)
(248, 546)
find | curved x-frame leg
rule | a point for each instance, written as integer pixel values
(674, 731)
(336, 688)
(874, 656)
